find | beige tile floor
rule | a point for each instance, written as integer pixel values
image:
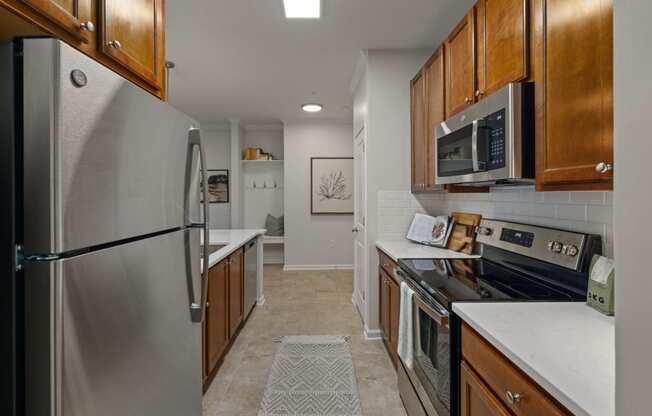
(301, 303)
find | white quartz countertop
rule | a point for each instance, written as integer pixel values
(567, 348)
(408, 250)
(234, 239)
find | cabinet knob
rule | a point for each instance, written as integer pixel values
(513, 398)
(87, 27)
(207, 304)
(479, 93)
(603, 167)
(115, 44)
(468, 100)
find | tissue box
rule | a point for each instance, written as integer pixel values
(600, 294)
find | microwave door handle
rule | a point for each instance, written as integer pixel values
(474, 146)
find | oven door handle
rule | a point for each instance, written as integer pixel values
(440, 317)
(474, 146)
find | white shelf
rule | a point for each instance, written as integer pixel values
(268, 239)
(262, 162)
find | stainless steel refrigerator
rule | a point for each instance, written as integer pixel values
(108, 227)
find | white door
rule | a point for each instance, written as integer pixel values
(359, 221)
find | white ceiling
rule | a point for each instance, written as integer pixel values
(240, 59)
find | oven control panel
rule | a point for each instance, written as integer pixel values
(563, 248)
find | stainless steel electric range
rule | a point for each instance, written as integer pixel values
(517, 262)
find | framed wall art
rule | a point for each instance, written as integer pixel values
(331, 185)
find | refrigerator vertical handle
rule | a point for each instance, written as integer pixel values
(197, 311)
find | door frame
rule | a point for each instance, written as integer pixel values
(359, 221)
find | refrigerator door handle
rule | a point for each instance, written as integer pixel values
(197, 311)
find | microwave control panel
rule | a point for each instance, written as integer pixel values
(495, 124)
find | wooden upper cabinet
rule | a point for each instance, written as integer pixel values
(575, 148)
(132, 35)
(418, 132)
(436, 110)
(502, 44)
(460, 65)
(75, 17)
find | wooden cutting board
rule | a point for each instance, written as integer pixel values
(462, 237)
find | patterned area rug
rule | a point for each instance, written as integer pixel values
(312, 376)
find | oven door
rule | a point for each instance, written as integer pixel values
(432, 354)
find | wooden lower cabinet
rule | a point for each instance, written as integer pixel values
(216, 331)
(390, 301)
(476, 398)
(492, 385)
(224, 311)
(236, 291)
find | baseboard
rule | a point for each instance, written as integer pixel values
(308, 267)
(372, 334)
(274, 261)
(260, 301)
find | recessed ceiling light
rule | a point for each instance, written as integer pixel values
(312, 108)
(302, 9)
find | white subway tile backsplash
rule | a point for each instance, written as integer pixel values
(589, 212)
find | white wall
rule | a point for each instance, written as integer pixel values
(314, 241)
(633, 205)
(382, 97)
(217, 142)
(589, 212)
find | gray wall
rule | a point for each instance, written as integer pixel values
(314, 240)
(633, 205)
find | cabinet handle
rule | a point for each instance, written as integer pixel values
(468, 100)
(115, 44)
(87, 27)
(603, 167)
(479, 93)
(513, 398)
(207, 305)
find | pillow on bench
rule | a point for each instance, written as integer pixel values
(275, 226)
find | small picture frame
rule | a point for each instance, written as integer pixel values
(331, 185)
(218, 186)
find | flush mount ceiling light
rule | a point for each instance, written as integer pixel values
(302, 9)
(312, 107)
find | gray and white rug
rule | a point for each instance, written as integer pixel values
(312, 376)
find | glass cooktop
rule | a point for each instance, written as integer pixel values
(451, 280)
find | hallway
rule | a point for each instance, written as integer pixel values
(301, 303)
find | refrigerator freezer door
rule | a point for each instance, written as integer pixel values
(119, 328)
(103, 159)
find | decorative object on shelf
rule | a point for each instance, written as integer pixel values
(600, 294)
(256, 153)
(218, 186)
(275, 226)
(331, 185)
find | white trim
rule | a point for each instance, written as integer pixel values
(260, 301)
(319, 121)
(307, 267)
(263, 127)
(360, 69)
(217, 127)
(372, 334)
(274, 260)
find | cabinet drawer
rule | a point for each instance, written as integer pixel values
(504, 378)
(386, 263)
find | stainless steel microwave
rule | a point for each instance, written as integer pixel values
(489, 143)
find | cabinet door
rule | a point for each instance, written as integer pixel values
(236, 292)
(394, 315)
(576, 151)
(217, 333)
(383, 285)
(132, 35)
(71, 15)
(477, 399)
(436, 111)
(460, 65)
(502, 44)
(419, 134)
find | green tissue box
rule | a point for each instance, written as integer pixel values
(601, 285)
